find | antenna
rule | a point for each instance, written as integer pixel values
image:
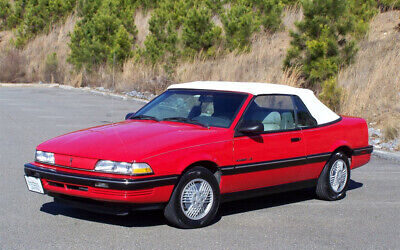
(113, 86)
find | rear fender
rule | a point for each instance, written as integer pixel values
(344, 146)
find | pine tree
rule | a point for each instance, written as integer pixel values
(321, 44)
(199, 32)
(5, 11)
(122, 47)
(105, 34)
(240, 22)
(269, 12)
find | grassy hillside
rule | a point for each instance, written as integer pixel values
(372, 83)
(147, 45)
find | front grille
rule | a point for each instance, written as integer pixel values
(122, 192)
(77, 188)
(67, 186)
(55, 184)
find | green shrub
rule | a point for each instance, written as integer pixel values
(105, 34)
(36, 16)
(51, 73)
(163, 37)
(244, 18)
(147, 4)
(5, 11)
(180, 27)
(331, 94)
(199, 32)
(153, 51)
(269, 12)
(215, 5)
(363, 11)
(290, 2)
(87, 8)
(122, 45)
(240, 23)
(16, 13)
(323, 42)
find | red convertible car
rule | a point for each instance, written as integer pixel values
(202, 143)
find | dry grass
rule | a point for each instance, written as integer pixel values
(142, 78)
(142, 24)
(390, 132)
(12, 61)
(5, 37)
(12, 65)
(292, 77)
(291, 15)
(372, 84)
(32, 66)
(262, 64)
(38, 49)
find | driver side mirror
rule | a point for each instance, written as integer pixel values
(251, 127)
(129, 115)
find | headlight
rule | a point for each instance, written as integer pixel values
(123, 167)
(44, 157)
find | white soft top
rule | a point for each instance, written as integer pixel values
(317, 109)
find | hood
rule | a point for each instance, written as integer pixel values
(131, 140)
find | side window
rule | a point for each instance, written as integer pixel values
(304, 118)
(275, 112)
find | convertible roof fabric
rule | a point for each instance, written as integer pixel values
(317, 109)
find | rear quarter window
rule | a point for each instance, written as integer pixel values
(304, 117)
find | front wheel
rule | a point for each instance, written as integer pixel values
(334, 179)
(195, 200)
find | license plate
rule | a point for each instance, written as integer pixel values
(34, 184)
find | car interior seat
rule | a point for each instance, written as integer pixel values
(272, 121)
(195, 112)
(287, 121)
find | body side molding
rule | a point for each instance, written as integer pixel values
(363, 151)
(268, 165)
(289, 162)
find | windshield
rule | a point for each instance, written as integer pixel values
(209, 108)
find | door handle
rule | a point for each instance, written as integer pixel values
(295, 139)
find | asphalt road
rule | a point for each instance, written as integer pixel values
(368, 218)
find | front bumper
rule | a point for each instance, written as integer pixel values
(143, 190)
(113, 208)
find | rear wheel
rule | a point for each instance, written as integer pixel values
(334, 179)
(195, 200)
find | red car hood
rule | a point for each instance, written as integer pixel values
(130, 140)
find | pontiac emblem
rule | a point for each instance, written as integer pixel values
(70, 161)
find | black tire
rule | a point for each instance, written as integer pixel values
(174, 213)
(324, 189)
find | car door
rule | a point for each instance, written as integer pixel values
(317, 139)
(271, 157)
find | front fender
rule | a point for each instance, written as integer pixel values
(175, 162)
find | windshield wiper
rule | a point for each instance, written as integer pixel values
(185, 120)
(144, 117)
